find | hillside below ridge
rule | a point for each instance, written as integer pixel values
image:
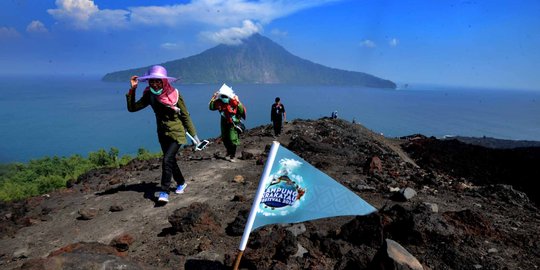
(108, 217)
(257, 60)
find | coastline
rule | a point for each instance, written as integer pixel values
(496, 143)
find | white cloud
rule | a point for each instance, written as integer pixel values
(221, 13)
(393, 42)
(36, 27)
(288, 165)
(278, 33)
(233, 35)
(8, 32)
(222, 17)
(170, 46)
(84, 14)
(368, 43)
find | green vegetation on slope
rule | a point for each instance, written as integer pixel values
(19, 181)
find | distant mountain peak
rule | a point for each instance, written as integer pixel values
(257, 38)
(257, 59)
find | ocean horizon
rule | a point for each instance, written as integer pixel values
(65, 115)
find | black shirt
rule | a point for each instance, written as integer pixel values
(277, 112)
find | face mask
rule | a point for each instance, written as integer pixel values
(156, 92)
(225, 100)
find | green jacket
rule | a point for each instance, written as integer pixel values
(169, 123)
(228, 132)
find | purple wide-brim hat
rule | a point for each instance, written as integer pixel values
(156, 72)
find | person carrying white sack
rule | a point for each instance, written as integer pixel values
(232, 112)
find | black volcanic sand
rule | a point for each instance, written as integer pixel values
(470, 211)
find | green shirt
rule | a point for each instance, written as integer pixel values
(169, 123)
(228, 132)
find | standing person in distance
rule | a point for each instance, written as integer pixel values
(278, 116)
(232, 111)
(172, 119)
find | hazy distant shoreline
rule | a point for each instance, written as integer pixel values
(495, 143)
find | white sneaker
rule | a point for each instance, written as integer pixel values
(181, 188)
(163, 197)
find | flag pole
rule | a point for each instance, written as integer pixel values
(256, 201)
(237, 261)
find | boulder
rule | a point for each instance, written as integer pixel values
(198, 217)
(392, 256)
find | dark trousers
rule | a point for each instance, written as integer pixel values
(277, 126)
(231, 148)
(169, 166)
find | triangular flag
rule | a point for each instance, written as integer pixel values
(292, 190)
(295, 191)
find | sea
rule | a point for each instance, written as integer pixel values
(44, 116)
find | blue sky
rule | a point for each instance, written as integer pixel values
(492, 44)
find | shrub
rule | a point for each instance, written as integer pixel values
(19, 180)
(143, 154)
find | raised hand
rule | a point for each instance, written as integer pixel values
(134, 82)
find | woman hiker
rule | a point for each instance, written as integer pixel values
(172, 119)
(231, 111)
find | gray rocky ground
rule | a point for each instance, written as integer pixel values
(427, 217)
